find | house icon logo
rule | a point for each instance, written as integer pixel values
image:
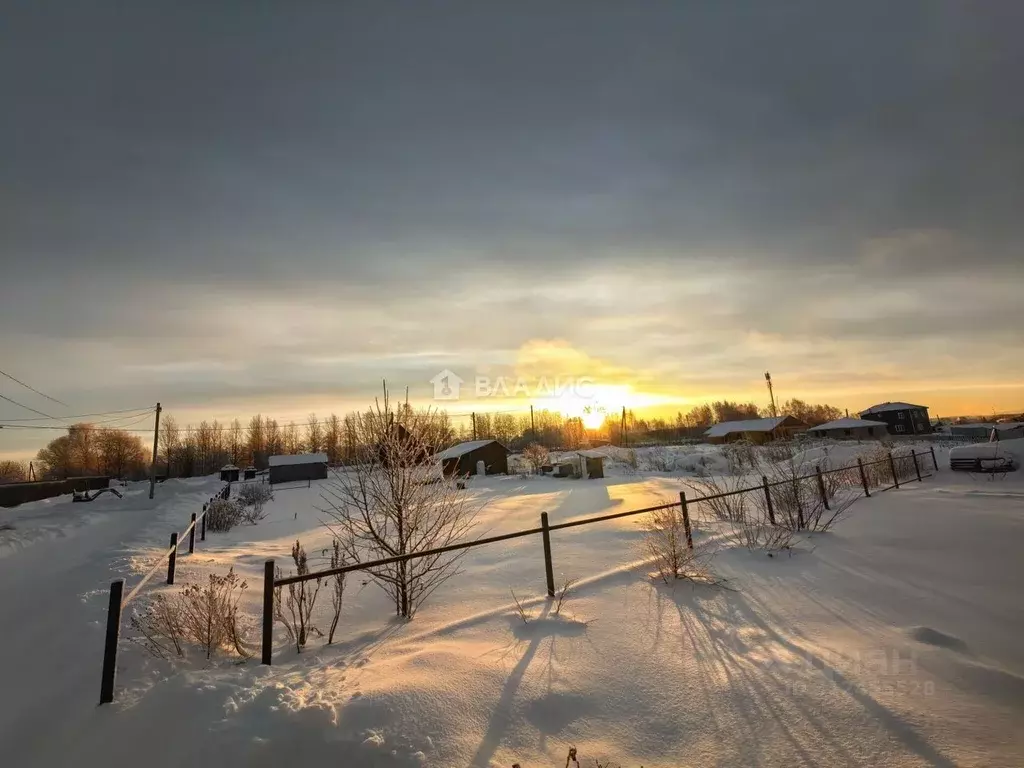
(446, 385)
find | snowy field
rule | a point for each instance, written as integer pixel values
(892, 640)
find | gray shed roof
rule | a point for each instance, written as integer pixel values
(847, 423)
(463, 448)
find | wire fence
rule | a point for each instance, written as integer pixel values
(168, 558)
(875, 474)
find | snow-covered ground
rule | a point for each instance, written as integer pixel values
(892, 640)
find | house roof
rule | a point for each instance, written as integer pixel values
(897, 406)
(746, 425)
(228, 468)
(298, 458)
(463, 448)
(591, 454)
(847, 423)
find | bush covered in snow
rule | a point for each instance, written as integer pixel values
(223, 515)
(203, 616)
(253, 499)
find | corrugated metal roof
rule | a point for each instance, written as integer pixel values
(848, 423)
(746, 425)
(897, 406)
(463, 448)
(298, 458)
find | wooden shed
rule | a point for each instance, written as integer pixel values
(755, 430)
(229, 473)
(468, 458)
(301, 466)
(591, 464)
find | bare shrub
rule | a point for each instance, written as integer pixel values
(294, 608)
(731, 507)
(253, 498)
(563, 592)
(740, 454)
(659, 459)
(337, 587)
(205, 616)
(536, 455)
(796, 494)
(665, 542)
(775, 451)
(393, 501)
(520, 610)
(222, 515)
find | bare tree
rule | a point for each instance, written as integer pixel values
(314, 434)
(13, 471)
(537, 455)
(170, 441)
(393, 502)
(332, 439)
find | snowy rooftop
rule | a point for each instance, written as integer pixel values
(847, 423)
(228, 468)
(746, 425)
(897, 406)
(590, 453)
(298, 458)
(463, 448)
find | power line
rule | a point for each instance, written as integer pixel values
(41, 394)
(85, 415)
(27, 408)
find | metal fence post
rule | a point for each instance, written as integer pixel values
(863, 477)
(917, 467)
(821, 486)
(768, 499)
(935, 462)
(110, 643)
(171, 557)
(892, 467)
(268, 611)
(192, 534)
(549, 572)
(686, 520)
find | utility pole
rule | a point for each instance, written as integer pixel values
(474, 424)
(152, 466)
(771, 394)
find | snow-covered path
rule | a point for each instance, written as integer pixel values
(53, 598)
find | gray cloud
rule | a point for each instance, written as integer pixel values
(236, 194)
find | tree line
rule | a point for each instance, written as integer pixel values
(203, 448)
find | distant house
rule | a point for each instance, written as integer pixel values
(405, 445)
(987, 431)
(229, 473)
(466, 458)
(592, 464)
(755, 430)
(900, 418)
(851, 429)
(301, 466)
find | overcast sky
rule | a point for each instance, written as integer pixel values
(235, 206)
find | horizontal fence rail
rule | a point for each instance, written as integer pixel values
(117, 605)
(271, 583)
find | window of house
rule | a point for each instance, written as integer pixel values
(871, 431)
(847, 432)
(900, 428)
(903, 414)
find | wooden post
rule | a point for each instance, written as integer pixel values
(110, 643)
(892, 468)
(863, 477)
(935, 462)
(192, 535)
(156, 439)
(202, 533)
(268, 612)
(171, 557)
(549, 571)
(917, 467)
(821, 486)
(768, 499)
(686, 520)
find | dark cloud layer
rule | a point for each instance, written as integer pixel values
(650, 181)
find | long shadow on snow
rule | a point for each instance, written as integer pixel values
(710, 620)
